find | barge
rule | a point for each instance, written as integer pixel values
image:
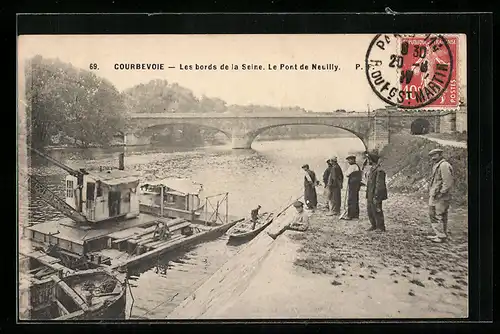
(184, 198)
(106, 226)
(50, 291)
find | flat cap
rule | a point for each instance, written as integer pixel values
(298, 204)
(333, 159)
(351, 157)
(305, 166)
(436, 151)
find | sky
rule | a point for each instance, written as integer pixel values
(320, 91)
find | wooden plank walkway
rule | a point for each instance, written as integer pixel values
(233, 277)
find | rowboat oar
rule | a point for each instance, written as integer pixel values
(275, 235)
(289, 205)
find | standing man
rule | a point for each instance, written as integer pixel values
(353, 175)
(310, 183)
(334, 186)
(326, 175)
(376, 192)
(440, 186)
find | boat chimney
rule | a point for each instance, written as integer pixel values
(121, 161)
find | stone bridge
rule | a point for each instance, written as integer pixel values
(373, 129)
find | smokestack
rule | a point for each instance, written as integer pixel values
(121, 161)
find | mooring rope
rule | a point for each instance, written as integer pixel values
(131, 295)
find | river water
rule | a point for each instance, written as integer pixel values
(269, 175)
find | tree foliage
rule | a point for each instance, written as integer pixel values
(64, 102)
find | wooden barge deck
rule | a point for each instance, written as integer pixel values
(119, 244)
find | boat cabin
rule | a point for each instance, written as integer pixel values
(172, 196)
(105, 194)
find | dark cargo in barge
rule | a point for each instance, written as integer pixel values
(49, 291)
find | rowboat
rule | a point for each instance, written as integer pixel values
(247, 229)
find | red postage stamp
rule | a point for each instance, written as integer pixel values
(417, 71)
(433, 66)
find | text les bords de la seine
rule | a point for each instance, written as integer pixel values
(230, 67)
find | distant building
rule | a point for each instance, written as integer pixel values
(461, 119)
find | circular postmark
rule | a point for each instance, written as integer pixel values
(409, 71)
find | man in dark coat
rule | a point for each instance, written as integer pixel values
(254, 215)
(310, 183)
(334, 186)
(376, 192)
(326, 175)
(353, 175)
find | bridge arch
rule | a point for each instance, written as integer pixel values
(251, 136)
(197, 125)
(420, 126)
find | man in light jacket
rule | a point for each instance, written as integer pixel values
(440, 185)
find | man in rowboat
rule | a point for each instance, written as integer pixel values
(254, 215)
(300, 221)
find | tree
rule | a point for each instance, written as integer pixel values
(63, 100)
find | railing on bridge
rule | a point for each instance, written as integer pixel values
(380, 112)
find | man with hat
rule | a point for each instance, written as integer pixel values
(353, 175)
(376, 192)
(310, 183)
(334, 185)
(326, 175)
(440, 186)
(254, 216)
(300, 222)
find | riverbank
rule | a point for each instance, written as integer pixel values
(338, 270)
(186, 144)
(407, 164)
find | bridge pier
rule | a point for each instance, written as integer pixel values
(379, 136)
(241, 141)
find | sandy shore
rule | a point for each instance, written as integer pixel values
(339, 270)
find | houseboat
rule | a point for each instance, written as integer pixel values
(184, 198)
(172, 197)
(50, 291)
(105, 194)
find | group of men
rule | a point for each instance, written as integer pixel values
(440, 185)
(333, 180)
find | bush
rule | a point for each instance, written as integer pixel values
(409, 167)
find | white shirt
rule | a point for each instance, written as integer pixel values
(352, 168)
